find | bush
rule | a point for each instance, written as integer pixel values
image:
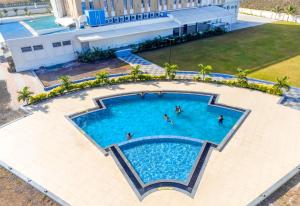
(38, 98)
(148, 77)
(95, 54)
(160, 42)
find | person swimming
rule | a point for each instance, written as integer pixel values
(220, 119)
(178, 109)
(129, 136)
(167, 118)
(142, 94)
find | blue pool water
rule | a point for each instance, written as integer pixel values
(47, 22)
(144, 117)
(162, 159)
(14, 30)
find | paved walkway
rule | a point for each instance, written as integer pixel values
(16, 81)
(246, 21)
(290, 98)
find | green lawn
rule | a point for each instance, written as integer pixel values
(269, 51)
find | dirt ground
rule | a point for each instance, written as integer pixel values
(76, 70)
(15, 192)
(6, 113)
(287, 195)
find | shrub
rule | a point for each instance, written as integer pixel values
(170, 70)
(38, 98)
(160, 42)
(95, 54)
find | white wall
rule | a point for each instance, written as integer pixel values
(271, 15)
(46, 57)
(51, 56)
(131, 39)
(39, 9)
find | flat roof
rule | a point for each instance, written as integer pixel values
(192, 15)
(127, 31)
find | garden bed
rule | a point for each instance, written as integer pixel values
(77, 71)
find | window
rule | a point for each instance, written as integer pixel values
(66, 43)
(56, 44)
(38, 47)
(26, 49)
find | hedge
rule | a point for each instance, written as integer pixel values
(58, 91)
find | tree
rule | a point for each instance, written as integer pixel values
(5, 12)
(135, 71)
(277, 9)
(16, 11)
(25, 94)
(290, 10)
(26, 12)
(102, 77)
(204, 70)
(1, 15)
(170, 70)
(282, 83)
(242, 76)
(66, 82)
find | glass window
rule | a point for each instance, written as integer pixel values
(56, 44)
(38, 47)
(26, 49)
(66, 43)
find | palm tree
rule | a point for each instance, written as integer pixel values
(16, 11)
(204, 70)
(242, 76)
(282, 83)
(25, 94)
(277, 9)
(170, 70)
(102, 77)
(5, 12)
(1, 15)
(26, 12)
(135, 71)
(290, 10)
(66, 82)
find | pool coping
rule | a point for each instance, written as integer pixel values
(127, 170)
(188, 187)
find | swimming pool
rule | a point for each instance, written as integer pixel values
(143, 116)
(160, 154)
(46, 22)
(162, 158)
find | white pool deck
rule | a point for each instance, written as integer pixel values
(51, 151)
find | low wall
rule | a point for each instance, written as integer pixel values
(38, 9)
(270, 15)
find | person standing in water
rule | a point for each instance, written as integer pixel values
(129, 136)
(178, 109)
(220, 119)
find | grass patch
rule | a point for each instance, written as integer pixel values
(268, 51)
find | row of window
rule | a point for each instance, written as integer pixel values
(41, 47)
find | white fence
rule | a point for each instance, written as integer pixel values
(270, 15)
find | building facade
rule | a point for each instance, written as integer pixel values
(127, 22)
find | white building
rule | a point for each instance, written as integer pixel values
(56, 47)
